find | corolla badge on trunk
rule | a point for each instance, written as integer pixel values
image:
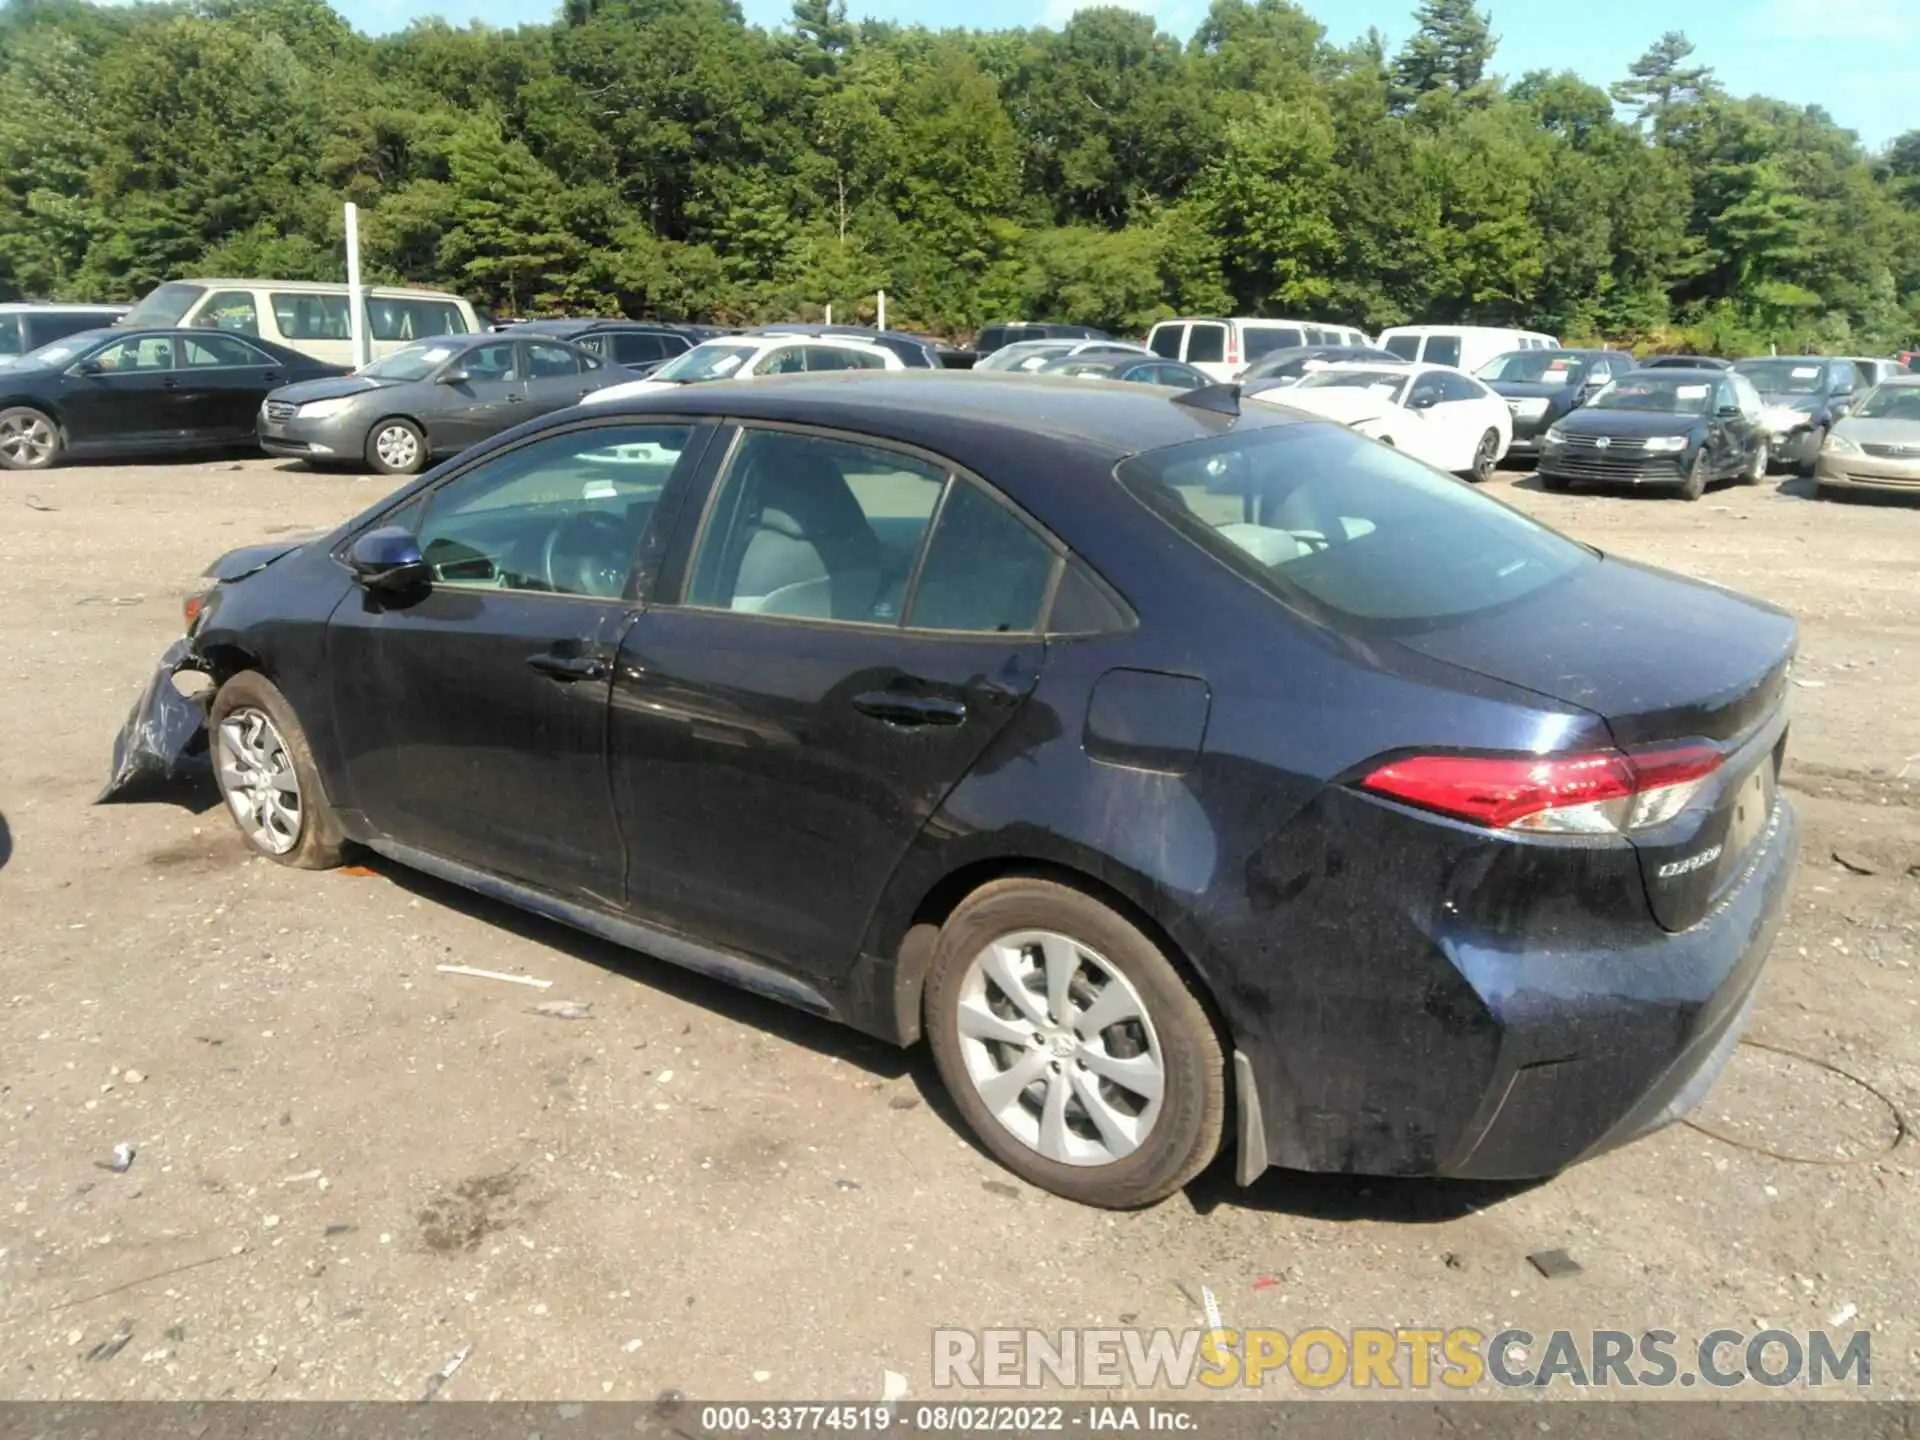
(1692, 863)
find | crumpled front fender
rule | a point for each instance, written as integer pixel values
(165, 737)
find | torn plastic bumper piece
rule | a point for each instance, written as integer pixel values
(165, 738)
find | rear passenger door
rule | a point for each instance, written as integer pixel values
(491, 398)
(812, 679)
(554, 379)
(223, 381)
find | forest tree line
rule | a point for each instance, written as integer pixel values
(664, 158)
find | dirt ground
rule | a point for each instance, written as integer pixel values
(350, 1166)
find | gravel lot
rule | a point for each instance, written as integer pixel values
(350, 1165)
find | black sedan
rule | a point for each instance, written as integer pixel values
(139, 392)
(1541, 386)
(434, 398)
(1676, 430)
(1131, 369)
(1805, 397)
(1685, 362)
(1348, 821)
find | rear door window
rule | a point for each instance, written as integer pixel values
(1206, 344)
(1443, 350)
(210, 352)
(11, 340)
(393, 318)
(1166, 339)
(1333, 523)
(1407, 347)
(635, 349)
(1265, 339)
(311, 317)
(546, 362)
(985, 568)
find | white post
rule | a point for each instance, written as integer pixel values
(883, 312)
(829, 314)
(356, 296)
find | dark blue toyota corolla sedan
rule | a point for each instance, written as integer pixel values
(1191, 780)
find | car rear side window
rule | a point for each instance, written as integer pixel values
(547, 362)
(1206, 344)
(985, 568)
(632, 349)
(1265, 339)
(203, 352)
(815, 527)
(1443, 350)
(397, 319)
(311, 317)
(1165, 341)
(1320, 517)
(1407, 347)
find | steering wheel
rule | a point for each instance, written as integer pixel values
(587, 554)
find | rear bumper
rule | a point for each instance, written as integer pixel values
(1519, 1040)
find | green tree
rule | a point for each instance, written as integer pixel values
(1450, 49)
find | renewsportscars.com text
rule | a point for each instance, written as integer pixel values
(1401, 1358)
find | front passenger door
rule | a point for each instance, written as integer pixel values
(473, 717)
(124, 393)
(491, 398)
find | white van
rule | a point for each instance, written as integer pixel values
(1222, 348)
(305, 315)
(1461, 347)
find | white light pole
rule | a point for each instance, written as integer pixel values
(883, 312)
(356, 296)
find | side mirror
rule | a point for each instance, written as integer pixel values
(1729, 412)
(388, 558)
(88, 367)
(456, 376)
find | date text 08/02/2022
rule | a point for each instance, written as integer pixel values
(961, 1419)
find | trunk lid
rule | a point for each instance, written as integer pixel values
(1663, 660)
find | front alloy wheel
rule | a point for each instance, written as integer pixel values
(258, 779)
(1485, 456)
(29, 440)
(1060, 1048)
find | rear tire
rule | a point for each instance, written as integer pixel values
(1014, 956)
(30, 439)
(266, 774)
(1695, 485)
(396, 447)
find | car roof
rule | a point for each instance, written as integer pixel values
(967, 415)
(839, 332)
(309, 287)
(1411, 367)
(1679, 372)
(758, 341)
(40, 307)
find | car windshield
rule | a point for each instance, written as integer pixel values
(1892, 402)
(1785, 377)
(416, 362)
(1658, 394)
(707, 362)
(163, 308)
(1387, 384)
(1315, 514)
(1535, 367)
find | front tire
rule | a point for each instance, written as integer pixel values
(266, 774)
(1695, 483)
(1756, 471)
(1810, 465)
(1078, 1054)
(397, 447)
(29, 439)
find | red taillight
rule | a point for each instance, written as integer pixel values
(1233, 348)
(1603, 792)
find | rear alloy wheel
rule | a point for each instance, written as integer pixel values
(1073, 1047)
(1756, 471)
(265, 771)
(1485, 456)
(1695, 484)
(29, 439)
(396, 447)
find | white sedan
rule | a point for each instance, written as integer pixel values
(1433, 412)
(736, 357)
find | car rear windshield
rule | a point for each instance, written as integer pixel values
(1320, 517)
(1535, 367)
(163, 308)
(1892, 402)
(1658, 394)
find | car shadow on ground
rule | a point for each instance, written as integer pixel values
(6, 842)
(1802, 487)
(1390, 1201)
(827, 1037)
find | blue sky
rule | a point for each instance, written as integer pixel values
(1858, 58)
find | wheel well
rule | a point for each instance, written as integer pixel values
(226, 661)
(938, 904)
